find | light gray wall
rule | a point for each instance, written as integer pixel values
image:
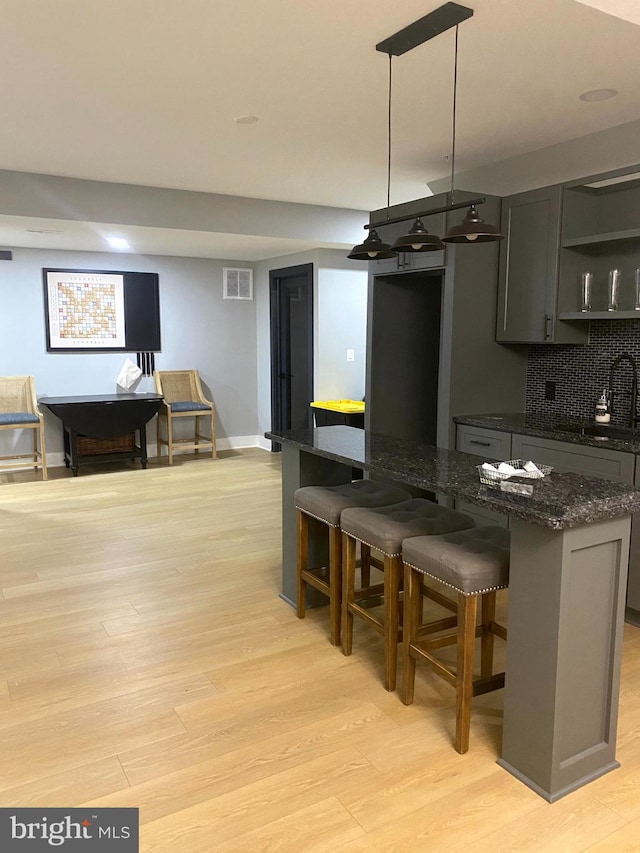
(199, 330)
(604, 151)
(49, 196)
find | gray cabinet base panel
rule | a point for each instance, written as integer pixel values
(566, 609)
(557, 795)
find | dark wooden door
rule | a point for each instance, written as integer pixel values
(291, 295)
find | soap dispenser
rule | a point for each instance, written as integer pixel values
(603, 415)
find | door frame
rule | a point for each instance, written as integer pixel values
(276, 280)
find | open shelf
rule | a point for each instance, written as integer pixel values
(599, 315)
(594, 239)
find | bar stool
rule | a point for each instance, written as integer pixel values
(384, 529)
(325, 504)
(475, 563)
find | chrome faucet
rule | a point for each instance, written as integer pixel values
(633, 416)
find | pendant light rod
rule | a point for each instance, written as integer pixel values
(389, 139)
(444, 209)
(453, 117)
(436, 22)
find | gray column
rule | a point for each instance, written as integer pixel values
(566, 609)
(305, 469)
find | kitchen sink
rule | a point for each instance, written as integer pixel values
(606, 431)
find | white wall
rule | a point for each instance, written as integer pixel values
(342, 325)
(199, 330)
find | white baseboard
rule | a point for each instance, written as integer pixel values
(235, 442)
(55, 459)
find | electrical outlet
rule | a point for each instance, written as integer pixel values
(351, 355)
(549, 390)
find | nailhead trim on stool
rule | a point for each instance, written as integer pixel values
(326, 503)
(385, 529)
(475, 563)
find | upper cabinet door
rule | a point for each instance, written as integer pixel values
(529, 266)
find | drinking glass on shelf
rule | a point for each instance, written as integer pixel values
(586, 286)
(614, 290)
(637, 301)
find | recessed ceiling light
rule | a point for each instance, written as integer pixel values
(246, 119)
(598, 95)
(118, 243)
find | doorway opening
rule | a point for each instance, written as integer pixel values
(291, 305)
(402, 393)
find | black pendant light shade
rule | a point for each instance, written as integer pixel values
(472, 229)
(372, 249)
(418, 240)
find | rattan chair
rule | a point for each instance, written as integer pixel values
(183, 398)
(19, 410)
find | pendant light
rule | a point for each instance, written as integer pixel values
(418, 239)
(373, 248)
(472, 229)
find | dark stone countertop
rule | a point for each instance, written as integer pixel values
(558, 501)
(558, 428)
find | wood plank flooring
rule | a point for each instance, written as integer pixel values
(147, 660)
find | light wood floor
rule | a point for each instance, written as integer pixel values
(147, 661)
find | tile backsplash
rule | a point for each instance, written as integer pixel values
(581, 372)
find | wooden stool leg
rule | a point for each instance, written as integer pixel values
(348, 590)
(170, 439)
(365, 566)
(214, 452)
(392, 573)
(302, 549)
(412, 620)
(335, 582)
(488, 608)
(467, 611)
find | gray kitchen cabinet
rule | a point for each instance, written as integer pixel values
(488, 444)
(431, 348)
(600, 232)
(563, 456)
(591, 461)
(633, 583)
(528, 277)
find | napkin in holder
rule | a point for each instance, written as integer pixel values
(129, 376)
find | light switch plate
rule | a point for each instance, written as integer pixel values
(351, 355)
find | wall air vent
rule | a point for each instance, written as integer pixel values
(237, 283)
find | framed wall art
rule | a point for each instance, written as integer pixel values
(101, 311)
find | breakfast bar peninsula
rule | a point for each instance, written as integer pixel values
(569, 555)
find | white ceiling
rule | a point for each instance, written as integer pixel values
(146, 92)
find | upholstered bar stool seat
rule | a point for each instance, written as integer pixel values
(475, 563)
(326, 504)
(384, 529)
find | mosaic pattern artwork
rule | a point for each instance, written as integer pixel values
(86, 310)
